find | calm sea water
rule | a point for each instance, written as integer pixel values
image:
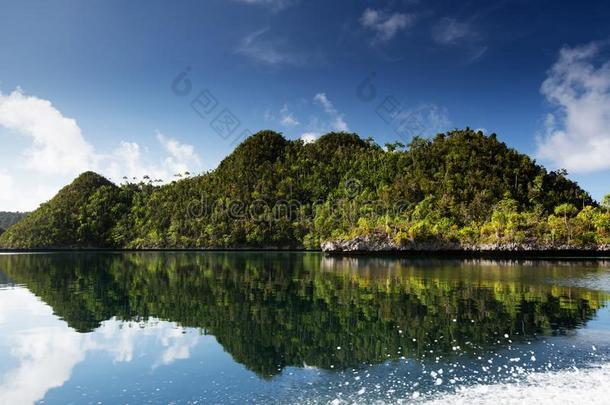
(301, 328)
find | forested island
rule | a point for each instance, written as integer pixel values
(9, 218)
(462, 190)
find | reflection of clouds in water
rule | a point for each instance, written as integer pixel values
(46, 350)
(45, 353)
(118, 338)
(123, 335)
(178, 346)
(46, 357)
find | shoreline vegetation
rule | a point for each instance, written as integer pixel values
(458, 193)
(441, 254)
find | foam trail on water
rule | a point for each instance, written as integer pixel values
(586, 386)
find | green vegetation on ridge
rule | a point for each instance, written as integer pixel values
(9, 218)
(459, 187)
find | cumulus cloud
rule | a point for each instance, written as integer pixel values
(57, 151)
(386, 25)
(57, 145)
(131, 160)
(181, 157)
(338, 119)
(577, 133)
(309, 137)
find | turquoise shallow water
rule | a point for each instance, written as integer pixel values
(228, 327)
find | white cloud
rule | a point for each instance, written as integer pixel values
(449, 31)
(182, 156)
(325, 102)
(6, 186)
(57, 152)
(287, 118)
(126, 160)
(340, 125)
(262, 48)
(58, 146)
(577, 134)
(338, 119)
(129, 160)
(386, 25)
(309, 137)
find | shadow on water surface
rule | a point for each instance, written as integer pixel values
(275, 310)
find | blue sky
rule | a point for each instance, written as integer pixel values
(94, 85)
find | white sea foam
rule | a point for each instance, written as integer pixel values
(586, 386)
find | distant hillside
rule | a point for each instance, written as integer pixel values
(459, 188)
(64, 221)
(10, 218)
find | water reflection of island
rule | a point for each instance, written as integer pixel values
(275, 310)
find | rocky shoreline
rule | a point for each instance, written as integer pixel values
(380, 244)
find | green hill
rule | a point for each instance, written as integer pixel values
(64, 221)
(10, 218)
(460, 187)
